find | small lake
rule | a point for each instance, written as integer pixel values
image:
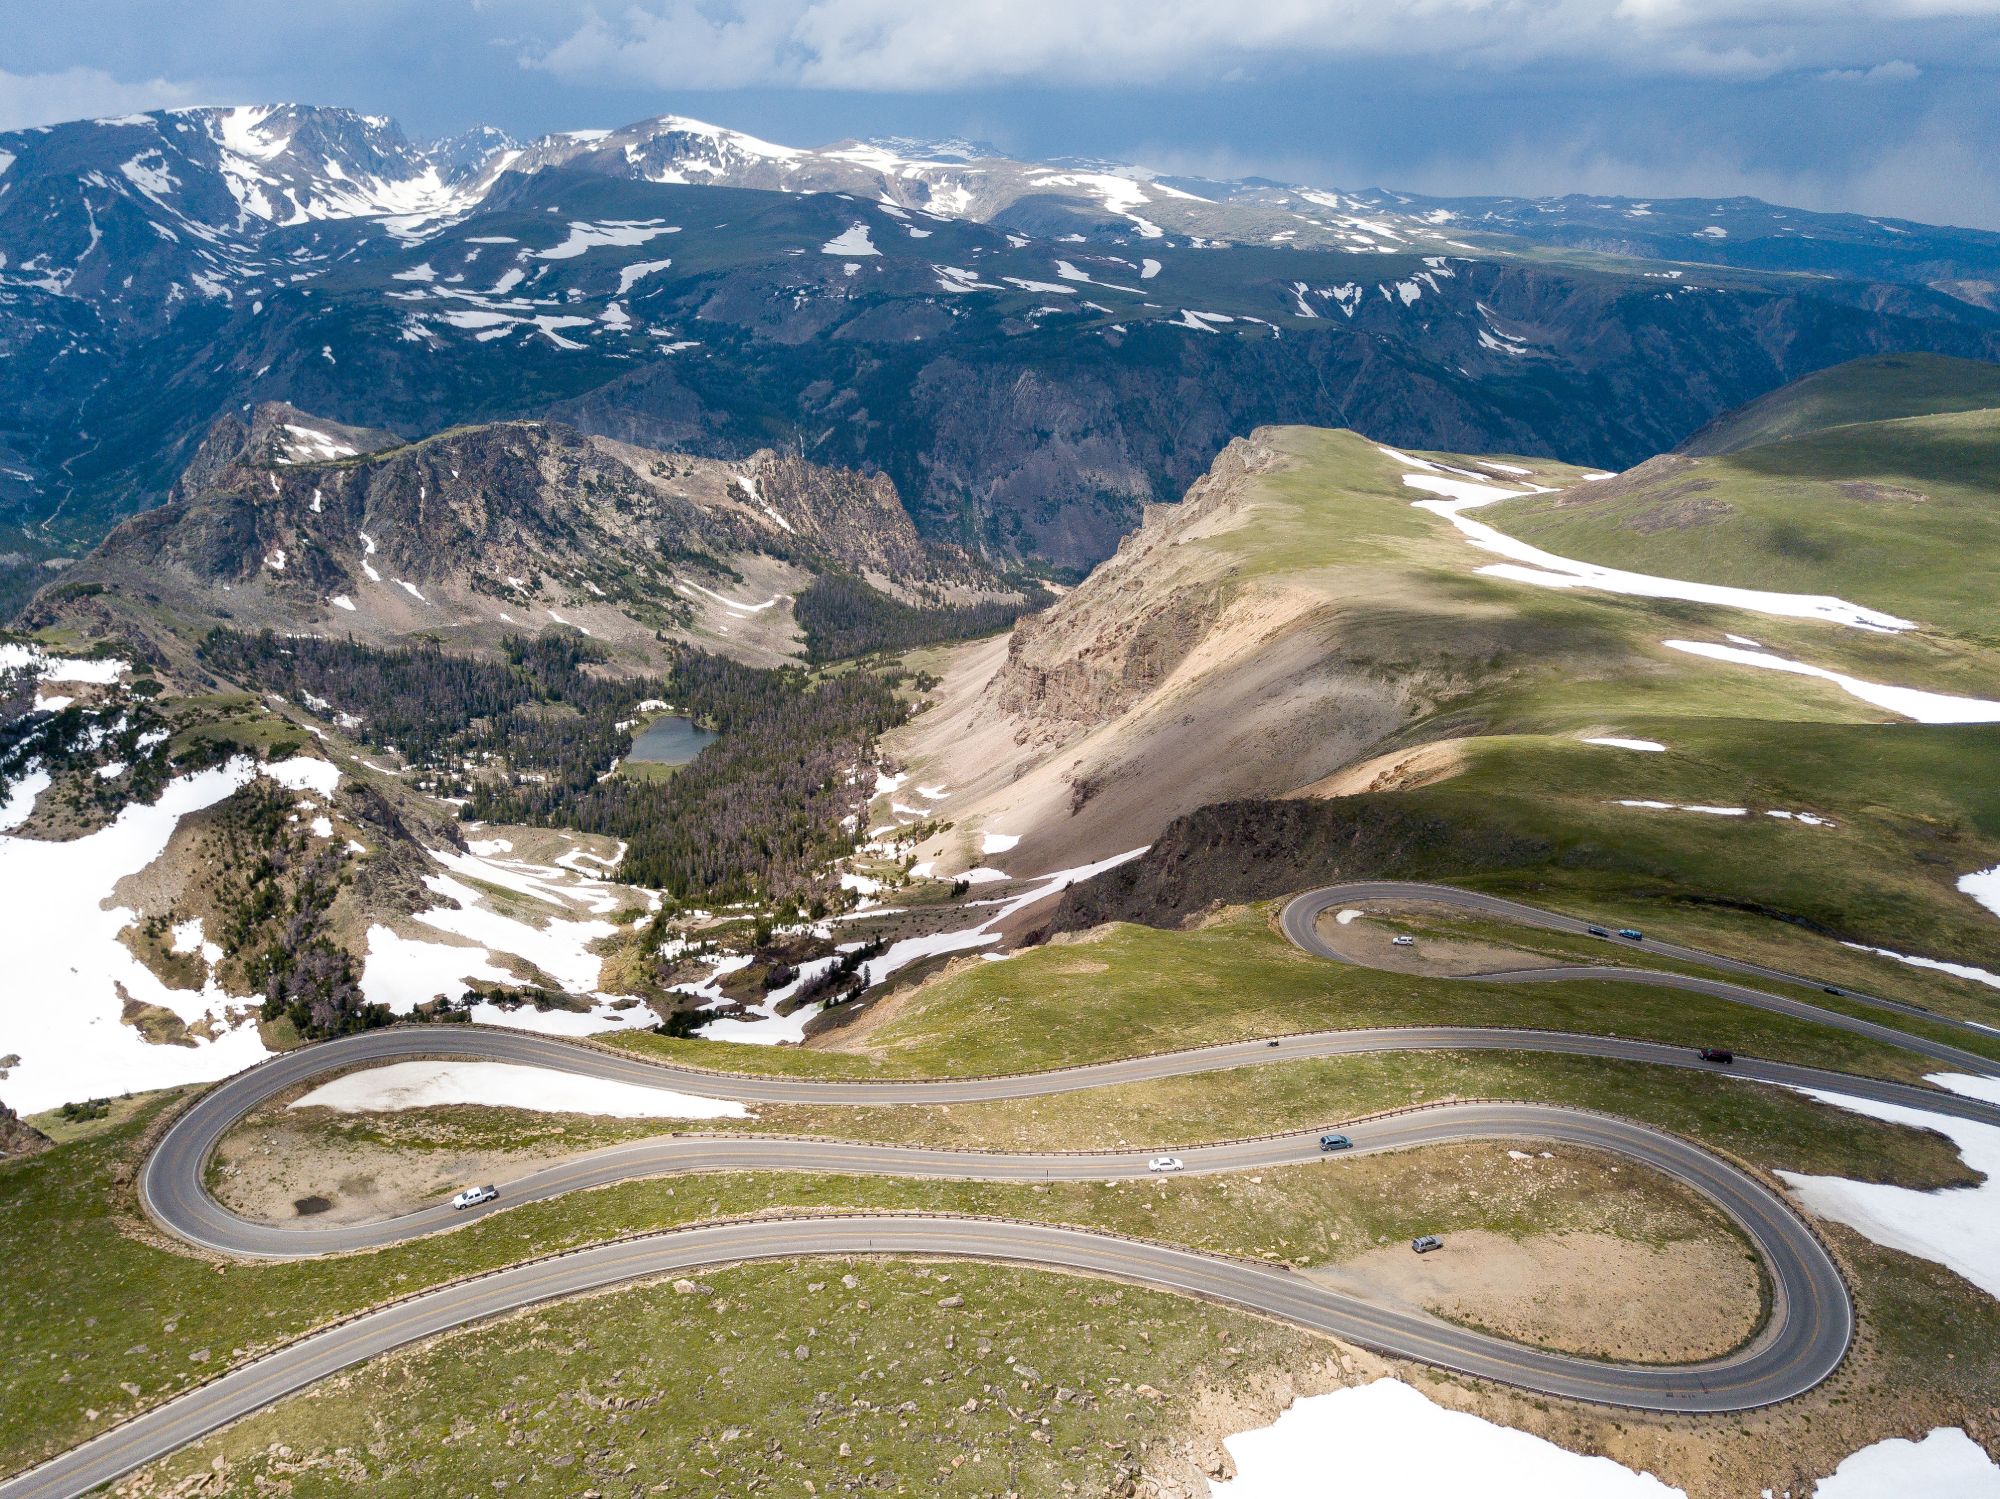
(670, 741)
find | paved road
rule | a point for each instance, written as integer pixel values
(1301, 925)
(1804, 1340)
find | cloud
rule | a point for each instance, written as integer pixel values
(1897, 71)
(80, 93)
(922, 46)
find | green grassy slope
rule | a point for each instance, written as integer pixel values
(1902, 515)
(1862, 390)
(1511, 678)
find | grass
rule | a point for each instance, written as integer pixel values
(1893, 514)
(845, 1376)
(1144, 990)
(1518, 674)
(97, 1320)
(1748, 1120)
(1877, 389)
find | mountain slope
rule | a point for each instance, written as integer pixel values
(1899, 511)
(1862, 390)
(481, 532)
(1311, 671)
(1031, 352)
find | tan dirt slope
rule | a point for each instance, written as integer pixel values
(1185, 670)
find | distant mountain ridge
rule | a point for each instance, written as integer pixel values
(1030, 351)
(292, 523)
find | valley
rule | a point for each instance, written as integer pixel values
(982, 791)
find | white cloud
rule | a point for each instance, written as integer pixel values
(78, 94)
(1895, 71)
(921, 46)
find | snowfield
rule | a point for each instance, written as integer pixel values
(1958, 1228)
(1386, 1438)
(764, 1026)
(428, 1084)
(61, 1010)
(403, 971)
(1946, 1464)
(851, 241)
(1959, 970)
(1923, 707)
(1530, 564)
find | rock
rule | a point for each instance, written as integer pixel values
(692, 1288)
(950, 1303)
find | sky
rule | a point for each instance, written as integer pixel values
(1888, 107)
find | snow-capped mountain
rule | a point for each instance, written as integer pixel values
(142, 215)
(880, 301)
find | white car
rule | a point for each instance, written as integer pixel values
(1166, 1163)
(1403, 941)
(472, 1197)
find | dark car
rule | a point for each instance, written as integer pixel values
(1631, 934)
(1270, 1043)
(1426, 1243)
(1717, 1054)
(1831, 990)
(1598, 931)
(1335, 1142)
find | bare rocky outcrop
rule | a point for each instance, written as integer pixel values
(1179, 673)
(302, 525)
(18, 1137)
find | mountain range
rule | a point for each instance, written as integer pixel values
(1030, 351)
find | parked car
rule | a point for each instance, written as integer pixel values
(472, 1197)
(1403, 941)
(1166, 1163)
(1598, 931)
(1425, 1243)
(1631, 934)
(1720, 1054)
(1335, 1142)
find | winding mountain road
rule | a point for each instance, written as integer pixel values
(1804, 1339)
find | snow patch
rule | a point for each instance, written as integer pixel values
(1958, 1227)
(1946, 1464)
(853, 240)
(428, 1084)
(1386, 1438)
(1910, 702)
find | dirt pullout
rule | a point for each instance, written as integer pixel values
(1369, 939)
(1588, 1293)
(279, 1172)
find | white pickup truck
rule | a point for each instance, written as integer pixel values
(472, 1197)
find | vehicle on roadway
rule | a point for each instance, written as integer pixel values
(472, 1197)
(1166, 1163)
(1717, 1054)
(1403, 941)
(1598, 931)
(1831, 989)
(1335, 1142)
(1270, 1043)
(1631, 934)
(1425, 1243)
